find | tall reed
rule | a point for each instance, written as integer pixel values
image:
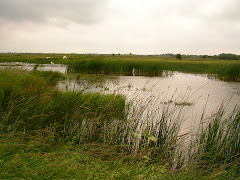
(90, 117)
(229, 72)
(99, 66)
(218, 140)
(29, 104)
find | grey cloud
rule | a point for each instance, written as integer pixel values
(221, 10)
(225, 11)
(78, 11)
(231, 12)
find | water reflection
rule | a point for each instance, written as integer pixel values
(30, 66)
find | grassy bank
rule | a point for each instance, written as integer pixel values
(33, 158)
(143, 65)
(28, 103)
(47, 134)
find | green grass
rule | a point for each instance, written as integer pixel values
(228, 72)
(83, 117)
(33, 158)
(79, 117)
(47, 134)
(218, 140)
(28, 103)
(143, 65)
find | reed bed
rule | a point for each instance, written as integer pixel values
(29, 105)
(217, 142)
(137, 65)
(228, 72)
(100, 66)
(77, 118)
(224, 71)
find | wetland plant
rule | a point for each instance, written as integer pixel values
(100, 66)
(29, 105)
(84, 117)
(217, 141)
(228, 72)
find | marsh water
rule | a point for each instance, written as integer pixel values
(193, 93)
(30, 66)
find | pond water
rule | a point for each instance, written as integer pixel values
(189, 92)
(30, 66)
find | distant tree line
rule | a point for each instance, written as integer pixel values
(220, 56)
(228, 56)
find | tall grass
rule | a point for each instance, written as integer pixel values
(154, 133)
(29, 106)
(217, 142)
(138, 68)
(89, 117)
(100, 66)
(28, 103)
(142, 65)
(227, 72)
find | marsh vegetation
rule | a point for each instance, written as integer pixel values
(45, 131)
(226, 69)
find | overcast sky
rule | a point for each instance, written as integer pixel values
(120, 26)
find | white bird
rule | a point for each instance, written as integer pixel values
(133, 72)
(52, 62)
